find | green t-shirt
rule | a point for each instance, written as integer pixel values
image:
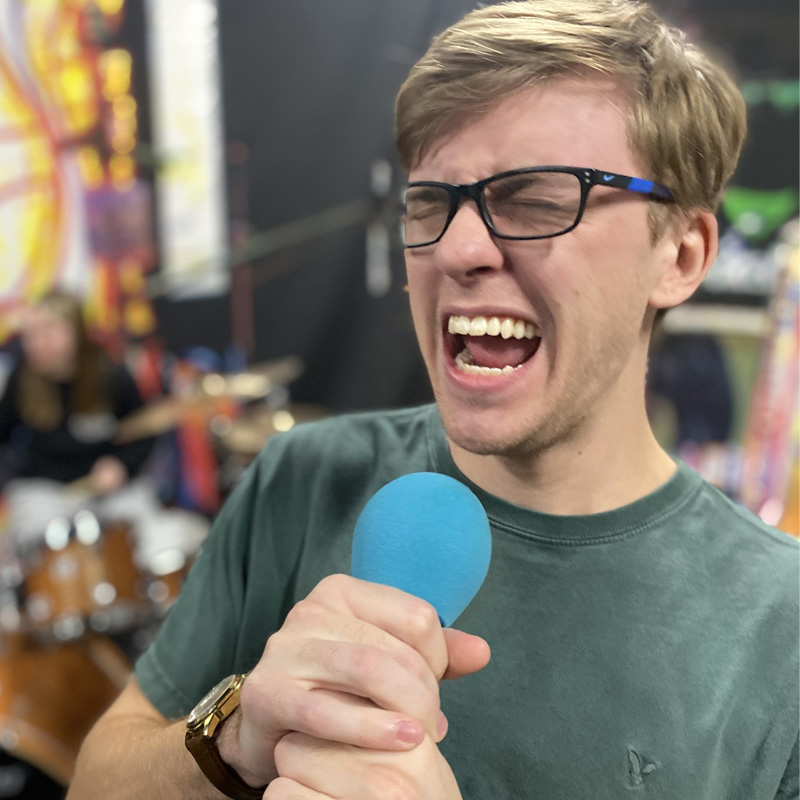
(649, 651)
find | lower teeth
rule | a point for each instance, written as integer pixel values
(464, 363)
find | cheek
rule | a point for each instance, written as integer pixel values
(421, 295)
(613, 276)
(61, 346)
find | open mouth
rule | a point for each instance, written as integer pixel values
(492, 345)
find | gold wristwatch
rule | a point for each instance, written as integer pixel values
(202, 728)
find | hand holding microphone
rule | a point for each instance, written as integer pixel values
(358, 661)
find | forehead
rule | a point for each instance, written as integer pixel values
(579, 122)
(41, 317)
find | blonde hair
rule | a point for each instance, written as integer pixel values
(38, 396)
(687, 122)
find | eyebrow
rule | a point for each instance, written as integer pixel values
(423, 192)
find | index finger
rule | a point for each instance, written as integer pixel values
(403, 616)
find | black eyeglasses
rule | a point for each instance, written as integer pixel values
(528, 203)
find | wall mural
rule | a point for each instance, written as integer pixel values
(73, 210)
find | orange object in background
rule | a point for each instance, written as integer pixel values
(790, 520)
(51, 696)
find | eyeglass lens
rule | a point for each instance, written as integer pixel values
(526, 204)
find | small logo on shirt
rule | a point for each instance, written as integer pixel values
(640, 767)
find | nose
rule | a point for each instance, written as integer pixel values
(467, 246)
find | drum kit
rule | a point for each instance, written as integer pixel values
(65, 607)
(68, 602)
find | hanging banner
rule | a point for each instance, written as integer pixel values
(187, 139)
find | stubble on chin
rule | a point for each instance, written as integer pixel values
(526, 441)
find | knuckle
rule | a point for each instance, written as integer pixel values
(389, 783)
(414, 663)
(279, 789)
(420, 619)
(335, 583)
(367, 664)
(285, 751)
(283, 789)
(275, 642)
(309, 715)
(276, 650)
(304, 613)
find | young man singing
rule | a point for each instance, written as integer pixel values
(565, 161)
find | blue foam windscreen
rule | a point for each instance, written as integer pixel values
(428, 535)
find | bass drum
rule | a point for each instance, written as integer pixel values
(49, 699)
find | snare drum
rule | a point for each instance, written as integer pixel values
(164, 582)
(83, 577)
(168, 546)
(49, 699)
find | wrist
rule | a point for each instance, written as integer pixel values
(205, 725)
(230, 751)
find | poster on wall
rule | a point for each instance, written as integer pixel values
(79, 188)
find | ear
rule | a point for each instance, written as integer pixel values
(690, 247)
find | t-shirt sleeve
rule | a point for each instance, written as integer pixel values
(790, 783)
(234, 597)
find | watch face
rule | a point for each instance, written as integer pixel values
(206, 705)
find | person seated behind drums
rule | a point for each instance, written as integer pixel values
(58, 416)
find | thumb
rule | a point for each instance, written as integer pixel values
(466, 653)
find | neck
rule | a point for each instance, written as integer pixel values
(608, 464)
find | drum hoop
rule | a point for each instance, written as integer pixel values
(39, 748)
(108, 658)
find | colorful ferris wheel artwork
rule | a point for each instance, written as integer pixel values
(73, 210)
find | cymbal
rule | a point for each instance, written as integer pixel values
(154, 419)
(162, 416)
(256, 382)
(248, 434)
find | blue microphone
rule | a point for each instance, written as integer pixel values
(426, 534)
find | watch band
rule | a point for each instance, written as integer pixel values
(202, 729)
(221, 775)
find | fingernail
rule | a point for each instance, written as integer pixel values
(409, 732)
(441, 726)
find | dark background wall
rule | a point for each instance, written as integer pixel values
(308, 91)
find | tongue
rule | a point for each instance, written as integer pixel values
(494, 351)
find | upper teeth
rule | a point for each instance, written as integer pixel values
(491, 326)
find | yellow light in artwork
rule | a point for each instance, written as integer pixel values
(122, 169)
(90, 166)
(77, 91)
(139, 317)
(116, 65)
(41, 159)
(131, 276)
(76, 83)
(110, 6)
(123, 142)
(124, 106)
